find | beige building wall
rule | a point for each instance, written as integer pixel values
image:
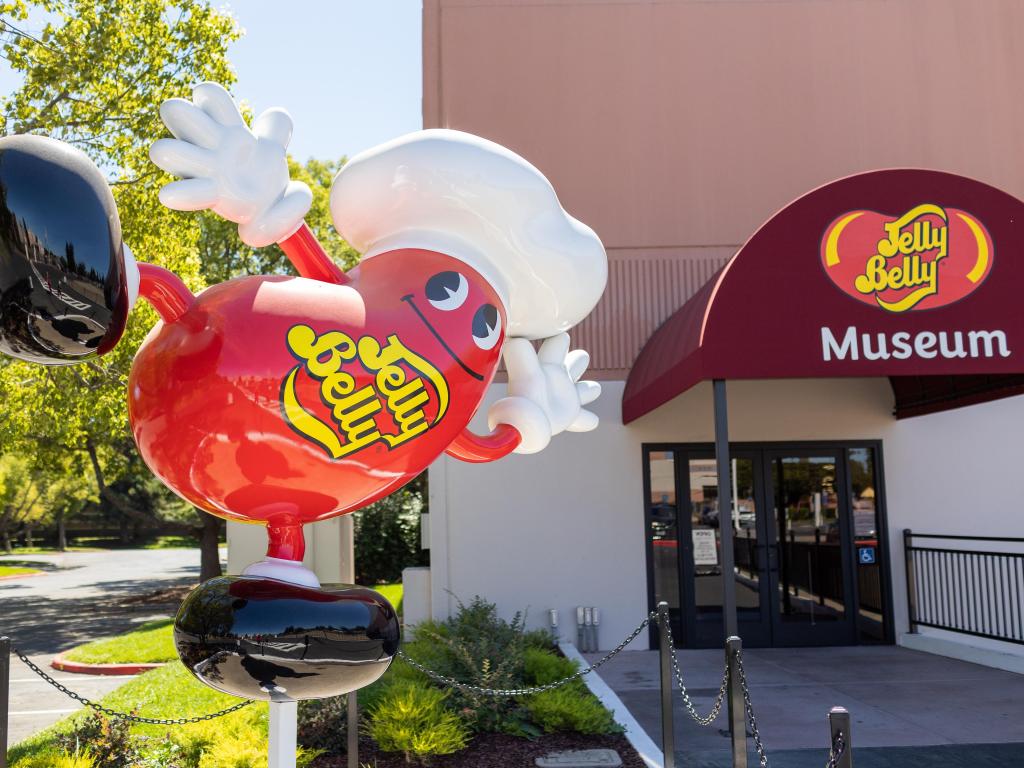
(676, 128)
(566, 527)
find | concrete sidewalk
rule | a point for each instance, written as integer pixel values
(947, 712)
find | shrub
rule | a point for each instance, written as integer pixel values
(323, 723)
(477, 647)
(109, 742)
(63, 759)
(544, 667)
(413, 719)
(571, 708)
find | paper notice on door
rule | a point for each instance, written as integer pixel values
(705, 548)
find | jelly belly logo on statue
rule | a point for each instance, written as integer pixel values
(405, 397)
(929, 257)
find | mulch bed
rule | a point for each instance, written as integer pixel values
(491, 750)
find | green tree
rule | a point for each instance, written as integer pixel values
(21, 498)
(224, 256)
(95, 77)
(387, 535)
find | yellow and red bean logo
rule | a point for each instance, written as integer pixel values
(928, 257)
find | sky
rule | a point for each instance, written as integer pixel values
(348, 71)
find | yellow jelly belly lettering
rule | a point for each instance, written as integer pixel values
(403, 383)
(899, 262)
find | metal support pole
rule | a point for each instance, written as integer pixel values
(725, 521)
(737, 712)
(5, 692)
(283, 734)
(839, 737)
(353, 729)
(665, 651)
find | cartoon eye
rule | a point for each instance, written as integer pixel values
(486, 326)
(447, 290)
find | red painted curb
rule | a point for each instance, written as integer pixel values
(59, 662)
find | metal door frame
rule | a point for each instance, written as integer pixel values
(682, 452)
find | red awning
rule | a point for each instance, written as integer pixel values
(910, 274)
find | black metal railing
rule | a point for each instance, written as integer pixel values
(963, 585)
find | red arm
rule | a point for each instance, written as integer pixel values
(481, 448)
(170, 297)
(309, 258)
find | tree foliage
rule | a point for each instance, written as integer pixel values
(95, 77)
(224, 256)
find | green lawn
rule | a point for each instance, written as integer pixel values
(168, 692)
(151, 643)
(9, 570)
(393, 592)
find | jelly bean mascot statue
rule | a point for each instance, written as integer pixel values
(283, 401)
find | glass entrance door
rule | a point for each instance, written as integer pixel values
(808, 554)
(810, 563)
(701, 562)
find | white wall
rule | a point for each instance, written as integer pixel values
(957, 472)
(566, 527)
(328, 548)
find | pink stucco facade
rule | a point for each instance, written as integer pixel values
(676, 128)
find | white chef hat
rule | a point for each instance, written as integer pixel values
(483, 204)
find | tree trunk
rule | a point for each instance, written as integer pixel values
(209, 541)
(29, 542)
(62, 533)
(8, 548)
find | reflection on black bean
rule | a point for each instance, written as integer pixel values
(265, 639)
(63, 288)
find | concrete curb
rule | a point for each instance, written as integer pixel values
(635, 734)
(21, 575)
(59, 662)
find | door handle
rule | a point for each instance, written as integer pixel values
(774, 555)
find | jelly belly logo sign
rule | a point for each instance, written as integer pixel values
(925, 258)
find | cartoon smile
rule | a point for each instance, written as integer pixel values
(409, 299)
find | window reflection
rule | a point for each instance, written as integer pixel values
(707, 545)
(664, 533)
(810, 583)
(863, 483)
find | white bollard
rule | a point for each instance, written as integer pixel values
(283, 742)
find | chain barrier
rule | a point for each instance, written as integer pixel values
(124, 715)
(687, 702)
(751, 720)
(836, 751)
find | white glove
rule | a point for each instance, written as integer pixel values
(241, 175)
(545, 394)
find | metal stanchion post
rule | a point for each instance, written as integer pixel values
(840, 739)
(5, 691)
(668, 736)
(353, 730)
(284, 715)
(737, 712)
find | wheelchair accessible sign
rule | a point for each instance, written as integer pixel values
(866, 555)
